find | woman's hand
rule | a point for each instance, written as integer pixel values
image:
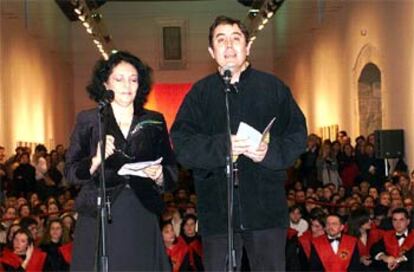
(109, 150)
(29, 253)
(154, 172)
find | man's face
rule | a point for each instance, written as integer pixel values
(399, 222)
(229, 47)
(333, 226)
(295, 216)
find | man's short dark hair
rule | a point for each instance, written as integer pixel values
(341, 220)
(224, 20)
(401, 210)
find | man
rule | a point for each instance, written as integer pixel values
(296, 221)
(395, 250)
(334, 251)
(201, 142)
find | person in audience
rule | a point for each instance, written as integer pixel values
(317, 228)
(334, 251)
(193, 240)
(56, 235)
(24, 256)
(24, 176)
(176, 249)
(394, 250)
(360, 226)
(296, 221)
(32, 226)
(327, 166)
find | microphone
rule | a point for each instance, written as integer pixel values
(227, 74)
(106, 99)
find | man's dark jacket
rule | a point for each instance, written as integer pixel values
(200, 141)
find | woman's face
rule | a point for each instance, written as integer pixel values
(189, 228)
(20, 243)
(317, 228)
(124, 82)
(67, 222)
(34, 199)
(56, 231)
(168, 234)
(53, 210)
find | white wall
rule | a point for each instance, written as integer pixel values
(324, 67)
(36, 75)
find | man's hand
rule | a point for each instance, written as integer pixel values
(258, 154)
(239, 145)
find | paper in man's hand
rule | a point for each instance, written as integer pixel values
(255, 137)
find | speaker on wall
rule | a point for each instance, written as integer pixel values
(389, 143)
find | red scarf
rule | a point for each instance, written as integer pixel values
(66, 251)
(335, 262)
(36, 262)
(177, 253)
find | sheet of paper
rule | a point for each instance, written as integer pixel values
(247, 131)
(137, 168)
(255, 137)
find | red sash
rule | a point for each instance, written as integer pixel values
(66, 251)
(391, 244)
(36, 262)
(177, 253)
(335, 262)
(11, 259)
(291, 233)
(305, 241)
(194, 248)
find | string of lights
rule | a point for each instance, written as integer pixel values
(259, 17)
(94, 25)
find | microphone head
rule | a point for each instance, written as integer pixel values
(227, 73)
(107, 97)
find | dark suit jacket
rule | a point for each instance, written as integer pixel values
(147, 140)
(200, 139)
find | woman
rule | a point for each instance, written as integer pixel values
(23, 256)
(55, 237)
(177, 250)
(360, 226)
(193, 240)
(133, 134)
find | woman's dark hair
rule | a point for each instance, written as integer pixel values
(356, 219)
(30, 240)
(103, 69)
(185, 219)
(165, 223)
(224, 20)
(47, 239)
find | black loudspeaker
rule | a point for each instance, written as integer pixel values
(389, 143)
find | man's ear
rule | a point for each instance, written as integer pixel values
(249, 45)
(211, 51)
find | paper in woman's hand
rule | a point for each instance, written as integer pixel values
(137, 168)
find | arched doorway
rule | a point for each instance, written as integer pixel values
(369, 99)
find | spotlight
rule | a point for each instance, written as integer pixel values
(79, 10)
(260, 27)
(86, 24)
(96, 16)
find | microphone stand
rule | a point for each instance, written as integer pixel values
(103, 203)
(230, 172)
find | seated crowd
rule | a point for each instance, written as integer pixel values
(345, 213)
